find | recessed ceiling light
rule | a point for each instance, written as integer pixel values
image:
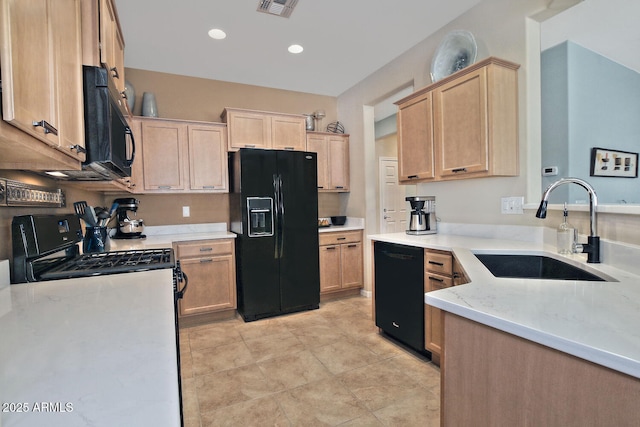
(217, 34)
(295, 48)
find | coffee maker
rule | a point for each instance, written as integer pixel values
(422, 219)
(128, 228)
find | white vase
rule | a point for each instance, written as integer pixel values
(149, 106)
(130, 92)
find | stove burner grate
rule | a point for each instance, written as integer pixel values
(92, 264)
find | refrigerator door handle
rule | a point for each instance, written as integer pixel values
(281, 217)
(276, 199)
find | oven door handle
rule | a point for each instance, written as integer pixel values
(183, 278)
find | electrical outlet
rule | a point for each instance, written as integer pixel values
(186, 212)
(512, 205)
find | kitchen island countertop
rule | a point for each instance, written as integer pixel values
(97, 351)
(595, 321)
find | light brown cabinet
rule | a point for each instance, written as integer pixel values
(442, 271)
(180, 156)
(491, 377)
(210, 268)
(333, 160)
(41, 57)
(415, 139)
(261, 129)
(341, 262)
(474, 124)
(103, 43)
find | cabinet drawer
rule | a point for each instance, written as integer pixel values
(338, 238)
(200, 248)
(438, 262)
(434, 281)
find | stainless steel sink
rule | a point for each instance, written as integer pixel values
(528, 266)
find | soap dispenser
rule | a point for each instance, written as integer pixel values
(566, 234)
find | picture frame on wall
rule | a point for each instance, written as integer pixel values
(613, 163)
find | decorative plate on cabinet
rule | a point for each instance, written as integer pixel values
(455, 52)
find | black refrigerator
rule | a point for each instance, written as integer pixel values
(274, 212)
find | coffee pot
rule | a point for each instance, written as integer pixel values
(422, 219)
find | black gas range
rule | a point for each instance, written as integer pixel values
(46, 247)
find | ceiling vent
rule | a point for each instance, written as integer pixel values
(277, 7)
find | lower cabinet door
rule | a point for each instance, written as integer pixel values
(352, 264)
(211, 287)
(330, 270)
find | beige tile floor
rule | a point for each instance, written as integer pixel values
(325, 367)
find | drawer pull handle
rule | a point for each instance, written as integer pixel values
(208, 187)
(48, 127)
(331, 248)
(206, 249)
(412, 176)
(289, 148)
(320, 186)
(78, 148)
(164, 187)
(352, 246)
(439, 264)
(459, 170)
(250, 145)
(339, 187)
(437, 279)
(206, 260)
(341, 238)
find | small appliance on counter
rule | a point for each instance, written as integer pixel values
(128, 228)
(423, 215)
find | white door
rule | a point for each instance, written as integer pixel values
(394, 212)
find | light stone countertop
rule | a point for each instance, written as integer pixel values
(163, 236)
(596, 321)
(352, 224)
(98, 351)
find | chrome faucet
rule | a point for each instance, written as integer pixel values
(592, 248)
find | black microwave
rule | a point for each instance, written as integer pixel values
(106, 131)
(108, 141)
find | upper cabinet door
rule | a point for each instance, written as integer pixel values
(415, 139)
(28, 68)
(248, 129)
(112, 44)
(67, 41)
(339, 162)
(164, 155)
(41, 71)
(208, 157)
(288, 133)
(461, 125)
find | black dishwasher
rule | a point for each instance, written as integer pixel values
(399, 292)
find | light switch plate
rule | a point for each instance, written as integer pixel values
(512, 205)
(186, 211)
